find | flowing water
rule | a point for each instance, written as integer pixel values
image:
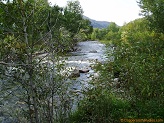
(87, 53)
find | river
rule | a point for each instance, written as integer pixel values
(87, 53)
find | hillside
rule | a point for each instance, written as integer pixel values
(98, 24)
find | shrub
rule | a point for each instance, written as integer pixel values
(100, 106)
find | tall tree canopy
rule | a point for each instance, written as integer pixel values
(153, 11)
(73, 16)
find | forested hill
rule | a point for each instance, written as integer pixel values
(98, 24)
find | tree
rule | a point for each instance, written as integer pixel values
(73, 21)
(137, 64)
(113, 27)
(101, 33)
(153, 11)
(31, 86)
(73, 17)
(112, 32)
(87, 29)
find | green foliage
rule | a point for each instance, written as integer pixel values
(113, 27)
(110, 33)
(73, 20)
(87, 28)
(32, 88)
(94, 34)
(139, 62)
(153, 11)
(100, 106)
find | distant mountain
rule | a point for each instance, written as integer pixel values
(98, 24)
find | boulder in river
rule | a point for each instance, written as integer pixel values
(75, 73)
(84, 71)
(93, 51)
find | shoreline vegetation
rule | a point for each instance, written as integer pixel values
(130, 87)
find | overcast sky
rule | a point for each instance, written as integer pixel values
(118, 11)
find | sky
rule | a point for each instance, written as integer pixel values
(118, 11)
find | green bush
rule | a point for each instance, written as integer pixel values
(139, 60)
(100, 106)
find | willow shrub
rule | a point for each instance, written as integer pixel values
(100, 107)
(139, 60)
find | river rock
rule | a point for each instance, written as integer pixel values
(96, 75)
(84, 71)
(116, 80)
(75, 74)
(93, 51)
